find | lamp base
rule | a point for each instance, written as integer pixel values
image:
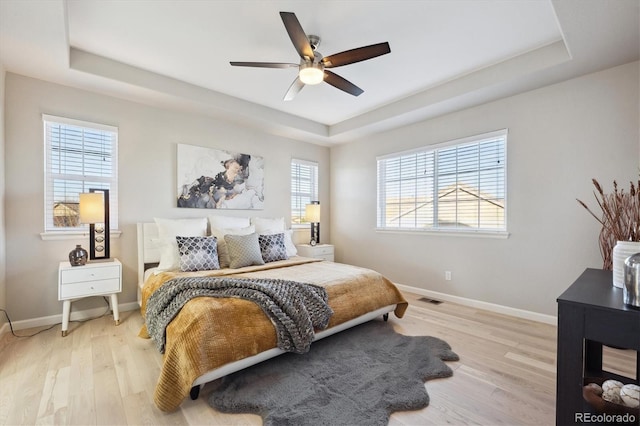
(315, 233)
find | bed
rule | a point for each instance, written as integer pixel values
(212, 337)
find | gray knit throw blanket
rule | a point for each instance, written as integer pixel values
(295, 309)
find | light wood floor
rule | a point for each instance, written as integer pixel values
(102, 374)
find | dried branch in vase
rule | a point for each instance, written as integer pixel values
(619, 217)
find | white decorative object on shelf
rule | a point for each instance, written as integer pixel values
(621, 251)
(630, 395)
(611, 391)
(612, 385)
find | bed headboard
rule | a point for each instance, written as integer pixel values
(148, 248)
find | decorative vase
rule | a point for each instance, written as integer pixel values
(78, 256)
(621, 251)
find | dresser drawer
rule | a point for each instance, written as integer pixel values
(81, 274)
(89, 288)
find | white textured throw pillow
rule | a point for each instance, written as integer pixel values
(244, 250)
(168, 230)
(223, 253)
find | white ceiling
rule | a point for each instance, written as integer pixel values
(445, 54)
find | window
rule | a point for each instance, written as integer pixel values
(304, 188)
(78, 156)
(454, 186)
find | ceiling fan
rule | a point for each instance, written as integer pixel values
(313, 66)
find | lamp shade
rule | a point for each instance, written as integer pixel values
(92, 207)
(312, 213)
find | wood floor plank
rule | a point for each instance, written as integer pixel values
(103, 374)
(108, 402)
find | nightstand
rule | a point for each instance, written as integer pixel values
(319, 251)
(92, 279)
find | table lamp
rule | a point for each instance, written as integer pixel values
(312, 215)
(94, 209)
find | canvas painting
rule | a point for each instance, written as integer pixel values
(217, 179)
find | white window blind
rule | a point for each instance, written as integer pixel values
(78, 156)
(304, 188)
(455, 186)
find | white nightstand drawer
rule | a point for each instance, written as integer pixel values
(81, 274)
(320, 251)
(323, 249)
(327, 257)
(89, 288)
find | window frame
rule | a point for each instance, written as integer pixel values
(295, 196)
(52, 232)
(436, 229)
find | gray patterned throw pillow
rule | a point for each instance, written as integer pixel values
(244, 250)
(272, 247)
(198, 253)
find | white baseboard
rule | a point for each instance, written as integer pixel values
(57, 319)
(501, 309)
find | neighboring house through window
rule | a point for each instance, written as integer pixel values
(304, 188)
(78, 156)
(455, 186)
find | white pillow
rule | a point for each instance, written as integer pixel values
(223, 252)
(168, 230)
(268, 225)
(228, 222)
(288, 243)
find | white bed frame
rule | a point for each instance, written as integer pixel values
(149, 256)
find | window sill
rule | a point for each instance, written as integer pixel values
(301, 226)
(446, 233)
(72, 235)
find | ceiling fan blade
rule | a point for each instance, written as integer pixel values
(295, 88)
(356, 55)
(264, 64)
(297, 35)
(340, 83)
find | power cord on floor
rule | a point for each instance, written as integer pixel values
(6, 314)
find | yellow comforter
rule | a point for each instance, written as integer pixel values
(211, 332)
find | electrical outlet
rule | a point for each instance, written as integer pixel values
(447, 275)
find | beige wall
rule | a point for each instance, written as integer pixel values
(3, 260)
(560, 137)
(147, 171)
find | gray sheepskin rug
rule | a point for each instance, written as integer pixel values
(356, 377)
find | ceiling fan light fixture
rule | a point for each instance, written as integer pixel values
(311, 69)
(311, 73)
